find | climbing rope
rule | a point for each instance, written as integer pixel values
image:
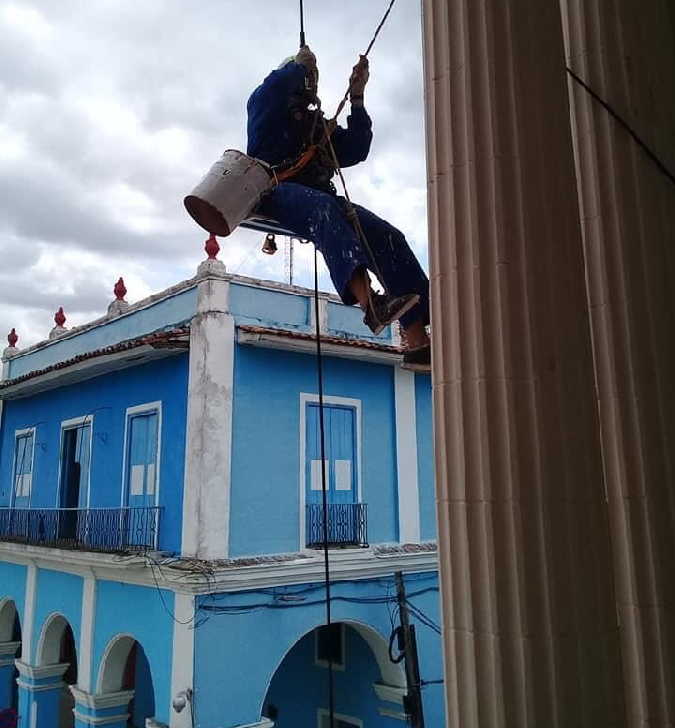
(324, 489)
(352, 215)
(342, 103)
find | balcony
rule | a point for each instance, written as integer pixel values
(347, 525)
(111, 530)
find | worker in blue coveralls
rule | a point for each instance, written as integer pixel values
(284, 120)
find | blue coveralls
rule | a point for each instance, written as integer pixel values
(318, 213)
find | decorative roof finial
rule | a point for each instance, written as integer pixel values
(119, 305)
(59, 320)
(211, 266)
(211, 247)
(11, 350)
(120, 290)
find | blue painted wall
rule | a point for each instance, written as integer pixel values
(260, 307)
(144, 614)
(59, 592)
(349, 320)
(107, 398)
(425, 456)
(13, 585)
(254, 643)
(300, 686)
(266, 445)
(163, 314)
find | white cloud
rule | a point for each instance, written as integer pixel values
(111, 111)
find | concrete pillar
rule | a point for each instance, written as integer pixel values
(406, 457)
(182, 662)
(625, 53)
(529, 621)
(8, 652)
(40, 693)
(109, 709)
(206, 498)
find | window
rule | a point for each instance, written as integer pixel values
(341, 721)
(340, 454)
(330, 645)
(23, 467)
(75, 459)
(142, 456)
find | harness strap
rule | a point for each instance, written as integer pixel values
(308, 155)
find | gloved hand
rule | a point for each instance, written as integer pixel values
(359, 78)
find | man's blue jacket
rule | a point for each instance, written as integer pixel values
(275, 135)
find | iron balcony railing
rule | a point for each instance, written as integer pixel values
(347, 525)
(83, 529)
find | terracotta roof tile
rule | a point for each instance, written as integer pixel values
(156, 339)
(305, 336)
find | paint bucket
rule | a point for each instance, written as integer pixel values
(229, 192)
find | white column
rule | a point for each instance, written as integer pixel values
(206, 499)
(28, 622)
(406, 457)
(85, 653)
(182, 669)
(4, 374)
(323, 314)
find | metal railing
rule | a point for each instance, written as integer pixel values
(83, 529)
(347, 525)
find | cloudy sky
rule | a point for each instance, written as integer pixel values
(111, 111)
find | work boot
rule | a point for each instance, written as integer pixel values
(418, 360)
(384, 309)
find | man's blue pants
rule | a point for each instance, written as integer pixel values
(321, 218)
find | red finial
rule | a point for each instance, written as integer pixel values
(60, 317)
(12, 338)
(120, 290)
(211, 247)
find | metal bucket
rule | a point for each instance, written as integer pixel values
(229, 192)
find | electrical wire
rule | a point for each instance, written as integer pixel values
(255, 606)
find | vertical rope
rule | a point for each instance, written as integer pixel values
(324, 489)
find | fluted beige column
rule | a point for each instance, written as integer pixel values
(530, 628)
(624, 51)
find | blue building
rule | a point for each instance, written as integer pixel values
(161, 522)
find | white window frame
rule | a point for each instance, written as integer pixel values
(17, 434)
(323, 713)
(142, 409)
(343, 645)
(73, 424)
(310, 398)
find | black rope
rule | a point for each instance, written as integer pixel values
(623, 123)
(342, 103)
(352, 214)
(302, 26)
(324, 491)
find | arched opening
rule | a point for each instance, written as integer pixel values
(10, 637)
(298, 692)
(125, 666)
(57, 646)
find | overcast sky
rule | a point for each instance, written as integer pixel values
(112, 110)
